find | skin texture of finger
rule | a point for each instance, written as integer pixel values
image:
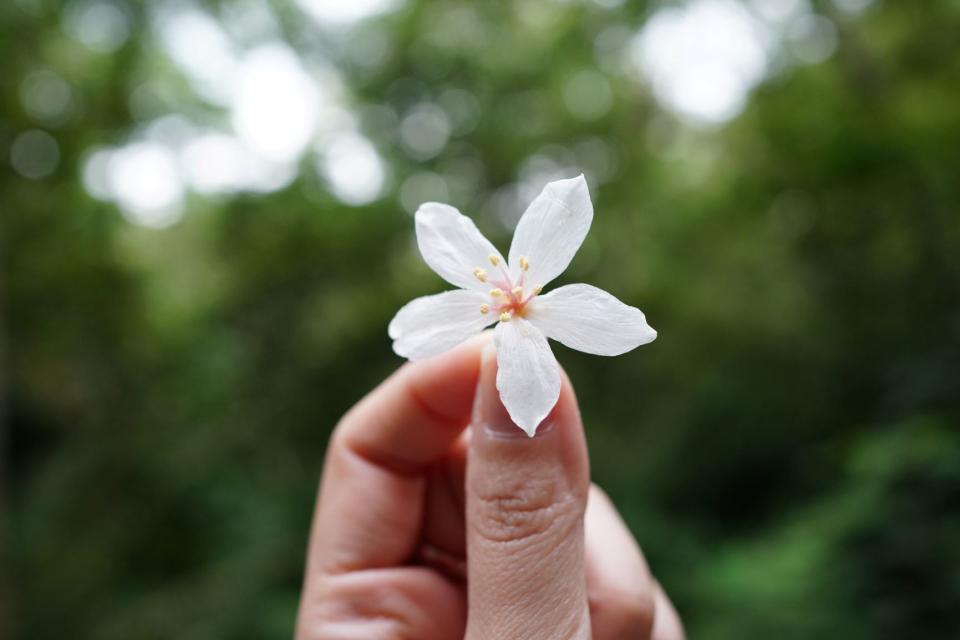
(371, 495)
(666, 623)
(387, 604)
(620, 588)
(525, 504)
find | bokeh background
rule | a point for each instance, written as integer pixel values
(206, 227)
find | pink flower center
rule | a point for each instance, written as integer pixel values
(508, 298)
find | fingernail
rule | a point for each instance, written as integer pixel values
(488, 411)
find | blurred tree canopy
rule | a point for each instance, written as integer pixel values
(787, 452)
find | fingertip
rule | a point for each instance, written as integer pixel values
(446, 383)
(557, 445)
(490, 414)
(414, 416)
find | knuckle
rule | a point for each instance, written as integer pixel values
(628, 610)
(341, 611)
(382, 630)
(525, 511)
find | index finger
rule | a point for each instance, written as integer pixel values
(370, 506)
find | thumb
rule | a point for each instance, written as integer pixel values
(525, 501)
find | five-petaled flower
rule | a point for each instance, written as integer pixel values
(509, 292)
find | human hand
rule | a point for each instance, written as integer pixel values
(427, 530)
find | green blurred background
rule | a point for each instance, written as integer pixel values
(206, 229)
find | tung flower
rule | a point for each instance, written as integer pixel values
(508, 292)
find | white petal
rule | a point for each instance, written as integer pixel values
(551, 230)
(453, 246)
(430, 325)
(528, 376)
(589, 319)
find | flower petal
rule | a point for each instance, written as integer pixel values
(453, 246)
(589, 319)
(551, 230)
(528, 376)
(430, 325)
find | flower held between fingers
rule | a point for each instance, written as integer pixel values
(509, 292)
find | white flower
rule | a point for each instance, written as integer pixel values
(509, 292)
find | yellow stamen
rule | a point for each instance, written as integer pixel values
(517, 291)
(505, 316)
(537, 289)
(480, 274)
(484, 308)
(524, 263)
(496, 293)
(494, 259)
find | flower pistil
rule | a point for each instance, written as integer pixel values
(509, 300)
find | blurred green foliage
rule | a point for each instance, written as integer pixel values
(787, 451)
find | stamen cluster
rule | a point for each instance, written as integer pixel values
(508, 300)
